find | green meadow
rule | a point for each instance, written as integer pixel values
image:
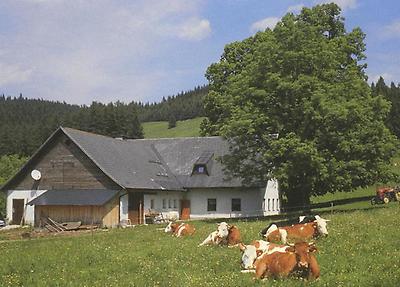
(187, 128)
(362, 249)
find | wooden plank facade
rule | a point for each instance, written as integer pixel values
(64, 166)
(107, 215)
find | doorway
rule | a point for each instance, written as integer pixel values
(135, 207)
(185, 209)
(17, 211)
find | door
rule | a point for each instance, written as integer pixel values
(135, 207)
(17, 211)
(185, 209)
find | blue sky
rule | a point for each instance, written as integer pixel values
(84, 51)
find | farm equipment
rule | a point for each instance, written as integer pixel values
(386, 194)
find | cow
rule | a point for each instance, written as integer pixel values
(301, 219)
(180, 229)
(297, 232)
(298, 260)
(256, 249)
(217, 237)
(233, 238)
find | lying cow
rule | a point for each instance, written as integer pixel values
(298, 260)
(256, 249)
(233, 238)
(180, 229)
(297, 232)
(301, 219)
(217, 237)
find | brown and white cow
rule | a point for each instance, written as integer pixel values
(298, 260)
(218, 236)
(180, 229)
(297, 232)
(257, 249)
(234, 237)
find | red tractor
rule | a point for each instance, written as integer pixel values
(386, 194)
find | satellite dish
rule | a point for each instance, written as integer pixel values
(36, 175)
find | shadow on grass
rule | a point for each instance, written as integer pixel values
(291, 217)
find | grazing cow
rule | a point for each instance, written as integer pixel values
(298, 260)
(256, 249)
(217, 237)
(297, 232)
(233, 238)
(180, 229)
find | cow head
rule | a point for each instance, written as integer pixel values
(302, 251)
(250, 254)
(222, 230)
(321, 225)
(169, 227)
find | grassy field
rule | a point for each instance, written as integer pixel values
(362, 250)
(188, 128)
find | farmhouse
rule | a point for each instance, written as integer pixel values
(81, 176)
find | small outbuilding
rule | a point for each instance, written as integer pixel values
(81, 176)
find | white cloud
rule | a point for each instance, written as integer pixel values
(13, 74)
(83, 51)
(392, 30)
(295, 8)
(195, 29)
(344, 4)
(261, 25)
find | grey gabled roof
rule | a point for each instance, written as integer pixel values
(96, 197)
(157, 163)
(131, 164)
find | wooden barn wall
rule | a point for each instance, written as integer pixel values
(64, 166)
(106, 216)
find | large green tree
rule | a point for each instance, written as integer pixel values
(295, 105)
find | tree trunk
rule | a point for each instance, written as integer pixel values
(298, 200)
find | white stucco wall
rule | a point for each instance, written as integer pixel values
(251, 202)
(166, 202)
(254, 202)
(272, 203)
(26, 195)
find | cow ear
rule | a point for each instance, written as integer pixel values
(242, 247)
(259, 252)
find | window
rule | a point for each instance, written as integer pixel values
(164, 203)
(269, 204)
(170, 203)
(212, 204)
(175, 203)
(236, 204)
(277, 204)
(199, 169)
(273, 204)
(151, 203)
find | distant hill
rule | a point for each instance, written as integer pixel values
(186, 128)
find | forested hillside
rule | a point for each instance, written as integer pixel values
(26, 123)
(185, 105)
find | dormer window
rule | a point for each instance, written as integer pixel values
(199, 169)
(203, 163)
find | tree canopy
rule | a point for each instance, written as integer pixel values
(295, 105)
